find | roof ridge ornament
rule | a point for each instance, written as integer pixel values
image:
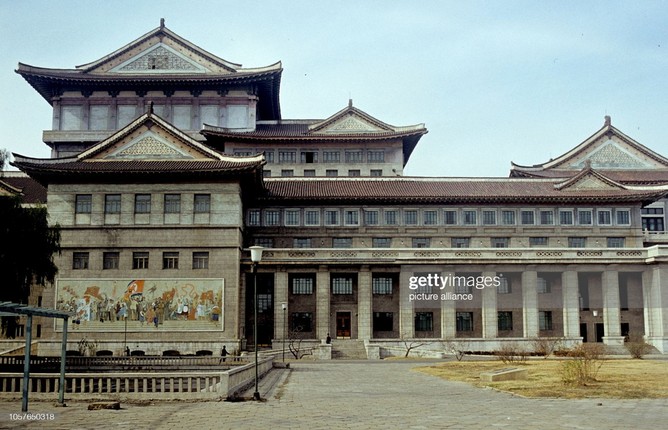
(162, 23)
(608, 121)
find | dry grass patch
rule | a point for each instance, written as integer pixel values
(622, 379)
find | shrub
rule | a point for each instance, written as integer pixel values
(636, 346)
(583, 365)
(546, 346)
(511, 353)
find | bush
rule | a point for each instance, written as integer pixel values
(511, 353)
(546, 346)
(636, 346)
(583, 365)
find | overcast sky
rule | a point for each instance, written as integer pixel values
(494, 81)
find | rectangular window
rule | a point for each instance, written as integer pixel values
(470, 218)
(421, 242)
(376, 156)
(381, 242)
(604, 217)
(202, 203)
(272, 217)
(461, 286)
(172, 203)
(508, 217)
(342, 285)
(410, 217)
(376, 172)
(140, 260)
(576, 242)
(615, 242)
(504, 286)
(352, 217)
(371, 217)
(110, 260)
(623, 217)
(390, 217)
(112, 204)
(527, 217)
(311, 217)
(239, 153)
(546, 217)
(450, 217)
(84, 203)
(464, 321)
(424, 321)
(269, 156)
(500, 242)
(309, 157)
(538, 241)
(309, 172)
(354, 172)
(200, 260)
(291, 217)
(505, 321)
(331, 156)
(265, 242)
(543, 285)
(342, 242)
(545, 320)
(302, 242)
(460, 242)
(287, 157)
(430, 217)
(353, 156)
(302, 284)
(331, 172)
(254, 217)
(302, 322)
(584, 217)
(170, 260)
(266, 173)
(489, 217)
(566, 217)
(142, 203)
(80, 260)
(383, 321)
(381, 285)
(331, 217)
(287, 173)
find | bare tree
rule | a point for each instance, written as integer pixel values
(458, 348)
(411, 345)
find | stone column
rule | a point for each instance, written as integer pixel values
(611, 312)
(490, 316)
(655, 301)
(406, 317)
(281, 291)
(448, 310)
(364, 311)
(530, 303)
(571, 304)
(322, 303)
(55, 119)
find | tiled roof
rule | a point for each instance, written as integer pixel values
(451, 190)
(623, 176)
(32, 192)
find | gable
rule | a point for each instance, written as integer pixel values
(350, 124)
(148, 145)
(612, 153)
(160, 58)
(589, 179)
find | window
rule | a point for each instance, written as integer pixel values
(504, 286)
(376, 172)
(410, 217)
(543, 285)
(331, 156)
(424, 321)
(381, 242)
(342, 242)
(272, 217)
(584, 217)
(302, 284)
(381, 285)
(508, 217)
(371, 217)
(470, 218)
(170, 260)
(464, 321)
(265, 242)
(450, 217)
(623, 217)
(604, 217)
(142, 203)
(110, 260)
(331, 217)
(421, 242)
(291, 217)
(352, 217)
(202, 203)
(383, 321)
(546, 217)
(200, 260)
(311, 217)
(302, 322)
(80, 260)
(140, 260)
(287, 157)
(460, 242)
(353, 156)
(269, 156)
(254, 217)
(331, 172)
(391, 217)
(576, 242)
(461, 287)
(112, 204)
(172, 203)
(309, 157)
(342, 285)
(527, 217)
(287, 172)
(354, 172)
(538, 241)
(566, 217)
(266, 173)
(545, 320)
(500, 242)
(84, 203)
(309, 172)
(505, 320)
(302, 242)
(489, 217)
(615, 242)
(239, 153)
(430, 217)
(376, 156)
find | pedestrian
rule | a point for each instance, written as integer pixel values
(224, 353)
(329, 339)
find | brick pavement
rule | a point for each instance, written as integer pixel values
(360, 395)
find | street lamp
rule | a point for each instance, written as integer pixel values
(256, 257)
(284, 306)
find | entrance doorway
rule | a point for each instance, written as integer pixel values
(600, 332)
(583, 332)
(343, 325)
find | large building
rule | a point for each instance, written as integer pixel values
(168, 163)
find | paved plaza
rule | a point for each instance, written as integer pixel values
(359, 395)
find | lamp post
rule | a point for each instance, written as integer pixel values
(284, 306)
(256, 257)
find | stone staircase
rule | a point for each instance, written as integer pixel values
(348, 349)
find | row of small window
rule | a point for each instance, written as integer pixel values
(142, 203)
(329, 172)
(543, 285)
(140, 260)
(342, 284)
(468, 217)
(309, 157)
(455, 242)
